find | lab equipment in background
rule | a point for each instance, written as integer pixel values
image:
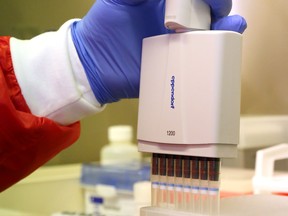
(189, 103)
(97, 204)
(142, 195)
(256, 133)
(114, 184)
(265, 179)
(120, 148)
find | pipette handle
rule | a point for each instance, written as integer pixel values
(187, 15)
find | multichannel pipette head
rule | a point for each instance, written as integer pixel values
(189, 107)
(190, 86)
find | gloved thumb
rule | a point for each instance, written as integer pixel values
(232, 23)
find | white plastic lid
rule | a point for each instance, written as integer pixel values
(142, 192)
(120, 133)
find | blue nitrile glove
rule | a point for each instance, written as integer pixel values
(109, 41)
(220, 19)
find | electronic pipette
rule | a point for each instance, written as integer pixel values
(189, 109)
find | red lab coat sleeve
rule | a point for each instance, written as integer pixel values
(26, 141)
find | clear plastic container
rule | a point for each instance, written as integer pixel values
(114, 184)
(120, 176)
(120, 148)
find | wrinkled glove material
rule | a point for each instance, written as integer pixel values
(109, 38)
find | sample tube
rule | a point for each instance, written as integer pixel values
(195, 184)
(214, 185)
(154, 179)
(171, 181)
(178, 182)
(186, 183)
(204, 202)
(162, 182)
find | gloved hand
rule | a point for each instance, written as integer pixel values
(109, 41)
(220, 19)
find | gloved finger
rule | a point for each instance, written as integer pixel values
(219, 8)
(231, 23)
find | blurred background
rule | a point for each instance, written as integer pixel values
(264, 69)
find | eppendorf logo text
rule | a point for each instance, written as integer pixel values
(172, 100)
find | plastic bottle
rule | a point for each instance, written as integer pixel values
(120, 148)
